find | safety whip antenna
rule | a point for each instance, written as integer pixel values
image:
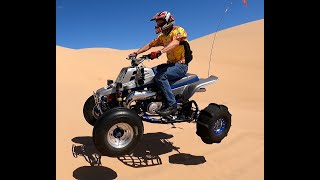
(216, 34)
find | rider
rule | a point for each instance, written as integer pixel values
(171, 37)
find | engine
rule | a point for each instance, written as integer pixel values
(146, 100)
(153, 106)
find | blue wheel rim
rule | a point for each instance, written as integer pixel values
(219, 126)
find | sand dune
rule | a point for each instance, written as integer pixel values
(166, 152)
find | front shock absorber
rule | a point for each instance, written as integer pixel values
(119, 90)
(97, 102)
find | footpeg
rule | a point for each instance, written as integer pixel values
(169, 119)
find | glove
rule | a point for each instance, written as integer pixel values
(154, 54)
(132, 55)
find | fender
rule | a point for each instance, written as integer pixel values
(194, 87)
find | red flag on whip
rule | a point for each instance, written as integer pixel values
(245, 2)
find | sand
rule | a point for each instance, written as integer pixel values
(166, 152)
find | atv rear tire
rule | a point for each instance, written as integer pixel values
(117, 132)
(213, 123)
(89, 109)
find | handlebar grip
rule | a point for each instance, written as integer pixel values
(143, 57)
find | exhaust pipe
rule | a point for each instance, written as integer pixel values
(138, 95)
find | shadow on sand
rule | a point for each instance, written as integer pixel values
(87, 150)
(94, 172)
(146, 154)
(148, 151)
(186, 159)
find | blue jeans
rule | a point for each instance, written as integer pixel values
(169, 72)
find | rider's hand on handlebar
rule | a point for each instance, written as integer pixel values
(154, 54)
(132, 55)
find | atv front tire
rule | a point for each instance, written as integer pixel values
(117, 132)
(90, 112)
(213, 123)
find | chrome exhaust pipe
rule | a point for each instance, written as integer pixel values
(138, 95)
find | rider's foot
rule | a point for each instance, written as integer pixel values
(167, 111)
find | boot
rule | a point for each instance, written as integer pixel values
(167, 111)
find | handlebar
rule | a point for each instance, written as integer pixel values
(136, 61)
(143, 57)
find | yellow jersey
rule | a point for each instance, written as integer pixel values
(177, 53)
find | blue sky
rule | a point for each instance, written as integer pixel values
(125, 24)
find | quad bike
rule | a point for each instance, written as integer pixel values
(117, 111)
